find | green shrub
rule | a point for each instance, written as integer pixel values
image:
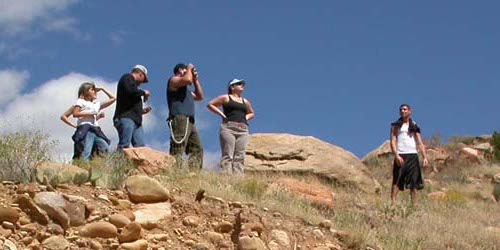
(109, 171)
(251, 187)
(21, 152)
(495, 141)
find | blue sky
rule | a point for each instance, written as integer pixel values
(336, 70)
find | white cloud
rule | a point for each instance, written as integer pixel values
(11, 84)
(69, 25)
(19, 15)
(41, 108)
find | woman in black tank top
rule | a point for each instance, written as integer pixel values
(236, 112)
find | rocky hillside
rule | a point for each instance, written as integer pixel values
(299, 193)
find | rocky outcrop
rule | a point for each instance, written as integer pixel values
(149, 161)
(306, 154)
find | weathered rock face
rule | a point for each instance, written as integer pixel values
(292, 153)
(57, 173)
(149, 161)
(149, 215)
(54, 204)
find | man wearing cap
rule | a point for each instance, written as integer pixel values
(128, 113)
(184, 137)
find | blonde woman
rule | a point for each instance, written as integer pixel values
(234, 133)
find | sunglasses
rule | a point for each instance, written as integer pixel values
(239, 84)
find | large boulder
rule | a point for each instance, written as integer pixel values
(149, 161)
(306, 154)
(64, 212)
(57, 173)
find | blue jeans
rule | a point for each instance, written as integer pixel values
(92, 140)
(129, 132)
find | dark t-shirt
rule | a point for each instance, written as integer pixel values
(128, 99)
(180, 101)
(235, 111)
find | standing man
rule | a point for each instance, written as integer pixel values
(184, 137)
(405, 136)
(128, 113)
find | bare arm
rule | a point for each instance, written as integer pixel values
(217, 102)
(108, 102)
(421, 148)
(250, 113)
(65, 117)
(176, 82)
(394, 148)
(198, 90)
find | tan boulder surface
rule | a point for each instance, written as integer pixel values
(306, 154)
(148, 160)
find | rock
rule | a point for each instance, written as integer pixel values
(119, 220)
(158, 237)
(55, 229)
(470, 154)
(327, 224)
(213, 237)
(8, 225)
(99, 229)
(380, 155)
(9, 245)
(149, 161)
(9, 214)
(306, 154)
(31, 189)
(5, 232)
(317, 194)
(318, 234)
(54, 204)
(130, 233)
(191, 221)
(57, 173)
(95, 245)
(144, 189)
(281, 237)
(136, 245)
(149, 215)
(201, 246)
(55, 243)
(129, 214)
(224, 227)
(76, 213)
(496, 187)
(32, 210)
(250, 243)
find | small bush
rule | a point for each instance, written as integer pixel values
(109, 171)
(495, 142)
(252, 187)
(21, 152)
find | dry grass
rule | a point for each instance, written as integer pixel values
(459, 221)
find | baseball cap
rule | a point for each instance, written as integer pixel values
(234, 81)
(142, 69)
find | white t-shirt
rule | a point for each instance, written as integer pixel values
(406, 142)
(88, 106)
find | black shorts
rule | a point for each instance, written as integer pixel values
(410, 175)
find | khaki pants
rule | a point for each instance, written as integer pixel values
(189, 143)
(233, 142)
